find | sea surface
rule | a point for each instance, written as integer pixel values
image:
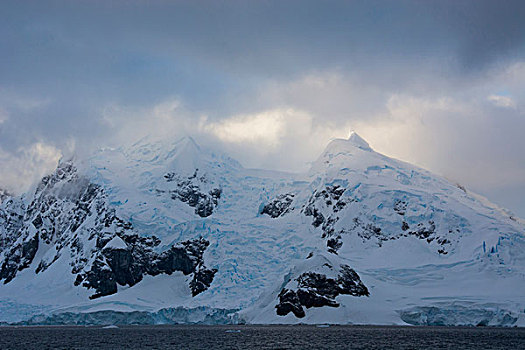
(259, 337)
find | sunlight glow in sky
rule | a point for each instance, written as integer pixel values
(437, 83)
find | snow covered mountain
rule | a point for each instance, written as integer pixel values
(165, 232)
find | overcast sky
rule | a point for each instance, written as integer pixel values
(437, 83)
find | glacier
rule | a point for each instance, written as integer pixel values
(166, 231)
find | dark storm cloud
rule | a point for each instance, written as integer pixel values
(488, 31)
(84, 53)
(62, 63)
(144, 40)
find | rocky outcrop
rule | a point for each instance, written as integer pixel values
(325, 206)
(189, 190)
(12, 213)
(328, 200)
(129, 263)
(61, 204)
(279, 206)
(289, 302)
(331, 196)
(202, 279)
(19, 257)
(318, 290)
(73, 215)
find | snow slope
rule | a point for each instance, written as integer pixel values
(360, 238)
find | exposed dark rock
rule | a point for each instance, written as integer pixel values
(289, 302)
(174, 259)
(400, 207)
(118, 266)
(202, 280)
(330, 196)
(328, 226)
(318, 218)
(318, 290)
(324, 204)
(334, 244)
(279, 206)
(11, 221)
(350, 282)
(308, 299)
(369, 231)
(62, 203)
(319, 283)
(101, 278)
(122, 264)
(330, 199)
(18, 258)
(37, 222)
(461, 187)
(188, 190)
(424, 231)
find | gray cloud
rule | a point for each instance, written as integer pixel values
(447, 76)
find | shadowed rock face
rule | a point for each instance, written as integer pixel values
(202, 280)
(318, 290)
(289, 302)
(58, 216)
(60, 205)
(127, 266)
(18, 258)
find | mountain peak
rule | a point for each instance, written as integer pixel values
(341, 151)
(347, 145)
(187, 142)
(358, 141)
(185, 155)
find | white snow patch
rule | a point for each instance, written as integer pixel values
(116, 243)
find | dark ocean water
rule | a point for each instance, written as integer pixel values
(260, 337)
